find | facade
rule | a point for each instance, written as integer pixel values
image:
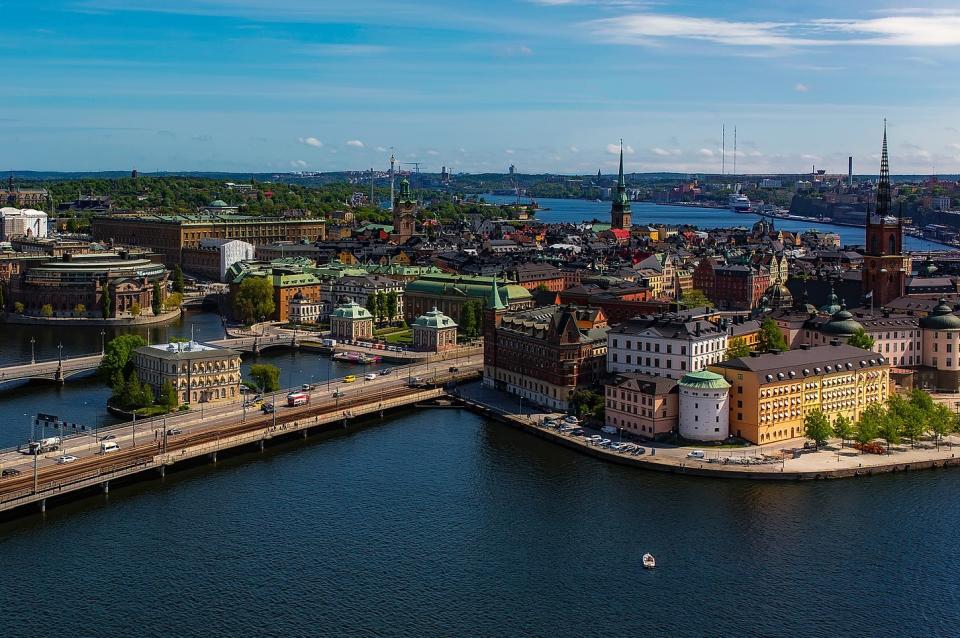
(772, 393)
(22, 222)
(434, 332)
(360, 288)
(404, 214)
(532, 275)
(941, 338)
(170, 235)
(668, 345)
(544, 354)
(351, 322)
(200, 373)
(213, 258)
(704, 406)
(23, 197)
(449, 293)
(642, 404)
(304, 310)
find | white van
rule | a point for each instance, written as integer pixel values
(696, 454)
(108, 446)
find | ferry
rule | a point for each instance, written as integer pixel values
(739, 203)
(357, 357)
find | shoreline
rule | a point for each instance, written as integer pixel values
(74, 322)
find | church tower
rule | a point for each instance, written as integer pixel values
(885, 267)
(404, 214)
(620, 209)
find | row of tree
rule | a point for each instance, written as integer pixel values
(384, 306)
(909, 417)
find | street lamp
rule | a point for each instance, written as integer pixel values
(33, 358)
(103, 343)
(60, 354)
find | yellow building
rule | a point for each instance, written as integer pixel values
(199, 372)
(771, 393)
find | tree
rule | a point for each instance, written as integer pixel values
(868, 425)
(842, 428)
(117, 362)
(178, 284)
(909, 417)
(148, 398)
(105, 303)
(468, 320)
(816, 426)
(860, 339)
(135, 309)
(587, 403)
(372, 307)
(46, 310)
(941, 422)
(738, 348)
(381, 305)
(770, 336)
(156, 304)
(694, 298)
(266, 376)
(890, 429)
(80, 310)
(393, 305)
(168, 395)
(18, 307)
(173, 301)
(254, 299)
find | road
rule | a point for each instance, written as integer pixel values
(146, 438)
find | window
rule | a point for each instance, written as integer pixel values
(739, 404)
(739, 416)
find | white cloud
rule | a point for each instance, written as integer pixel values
(355, 143)
(800, 87)
(433, 152)
(509, 151)
(910, 29)
(705, 152)
(343, 50)
(513, 50)
(298, 164)
(574, 149)
(310, 141)
(665, 152)
(381, 149)
(614, 149)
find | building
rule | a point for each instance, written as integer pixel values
(170, 235)
(434, 332)
(772, 393)
(448, 293)
(23, 197)
(360, 288)
(885, 268)
(25, 222)
(404, 214)
(941, 338)
(351, 322)
(123, 280)
(533, 275)
(668, 345)
(303, 309)
(213, 258)
(642, 404)
(543, 354)
(620, 208)
(704, 406)
(199, 372)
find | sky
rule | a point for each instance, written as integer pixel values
(546, 85)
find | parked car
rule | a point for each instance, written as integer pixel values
(696, 454)
(338, 393)
(577, 432)
(572, 420)
(609, 429)
(370, 376)
(174, 431)
(10, 471)
(267, 408)
(66, 458)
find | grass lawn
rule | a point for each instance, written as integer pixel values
(401, 337)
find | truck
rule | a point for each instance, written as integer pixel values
(48, 444)
(330, 343)
(298, 398)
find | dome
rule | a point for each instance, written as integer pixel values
(704, 380)
(842, 323)
(779, 296)
(434, 319)
(218, 203)
(941, 318)
(351, 310)
(832, 307)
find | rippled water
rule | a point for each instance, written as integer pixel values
(437, 523)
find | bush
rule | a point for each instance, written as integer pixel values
(46, 310)
(18, 307)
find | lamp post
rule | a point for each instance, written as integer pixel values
(33, 358)
(103, 342)
(60, 354)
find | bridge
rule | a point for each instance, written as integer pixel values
(32, 479)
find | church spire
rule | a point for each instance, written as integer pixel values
(620, 210)
(883, 186)
(621, 183)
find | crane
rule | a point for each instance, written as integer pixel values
(416, 167)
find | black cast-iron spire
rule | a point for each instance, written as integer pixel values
(883, 186)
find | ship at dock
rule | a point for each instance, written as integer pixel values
(357, 357)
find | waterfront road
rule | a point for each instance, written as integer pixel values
(146, 438)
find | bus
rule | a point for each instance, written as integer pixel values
(298, 398)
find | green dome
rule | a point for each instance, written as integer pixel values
(841, 323)
(704, 380)
(435, 319)
(351, 310)
(218, 203)
(941, 318)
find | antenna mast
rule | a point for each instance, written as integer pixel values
(734, 149)
(723, 149)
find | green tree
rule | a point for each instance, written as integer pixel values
(106, 305)
(588, 404)
(770, 336)
(135, 309)
(173, 301)
(117, 362)
(156, 304)
(178, 284)
(80, 310)
(860, 339)
(694, 298)
(130, 393)
(868, 425)
(148, 398)
(816, 426)
(254, 299)
(168, 395)
(468, 320)
(18, 307)
(890, 430)
(842, 428)
(372, 307)
(265, 376)
(941, 422)
(738, 348)
(46, 310)
(393, 305)
(909, 417)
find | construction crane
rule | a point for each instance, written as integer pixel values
(416, 167)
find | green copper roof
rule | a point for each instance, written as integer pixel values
(941, 318)
(841, 323)
(435, 319)
(705, 380)
(351, 310)
(620, 200)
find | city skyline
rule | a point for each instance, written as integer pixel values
(547, 85)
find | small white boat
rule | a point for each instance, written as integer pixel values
(648, 561)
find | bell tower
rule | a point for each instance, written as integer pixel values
(885, 268)
(620, 209)
(404, 214)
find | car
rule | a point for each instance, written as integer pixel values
(596, 438)
(174, 431)
(338, 393)
(306, 387)
(577, 432)
(696, 454)
(10, 471)
(370, 376)
(609, 429)
(108, 437)
(385, 372)
(606, 443)
(572, 420)
(108, 446)
(350, 378)
(640, 450)
(267, 408)
(66, 458)
(454, 369)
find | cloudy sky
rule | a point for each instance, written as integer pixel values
(548, 85)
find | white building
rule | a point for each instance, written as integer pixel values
(15, 222)
(304, 310)
(704, 406)
(231, 251)
(359, 288)
(667, 345)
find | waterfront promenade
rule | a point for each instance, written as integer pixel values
(786, 460)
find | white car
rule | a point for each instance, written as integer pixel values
(370, 376)
(696, 454)
(572, 420)
(66, 458)
(609, 429)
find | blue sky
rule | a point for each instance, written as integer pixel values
(549, 85)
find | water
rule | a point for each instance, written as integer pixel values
(441, 524)
(575, 211)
